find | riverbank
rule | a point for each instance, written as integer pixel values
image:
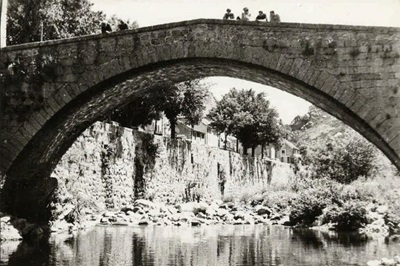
(145, 212)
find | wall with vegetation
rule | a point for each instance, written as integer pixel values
(109, 165)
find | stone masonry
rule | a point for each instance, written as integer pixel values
(52, 91)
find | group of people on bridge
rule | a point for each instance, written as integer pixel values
(274, 18)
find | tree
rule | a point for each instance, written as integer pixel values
(56, 18)
(222, 116)
(256, 123)
(248, 117)
(345, 159)
(185, 99)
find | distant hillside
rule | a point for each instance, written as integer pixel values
(317, 128)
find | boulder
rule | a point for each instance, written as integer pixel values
(230, 205)
(104, 220)
(144, 203)
(261, 210)
(211, 211)
(222, 212)
(186, 218)
(154, 212)
(383, 209)
(108, 214)
(201, 215)
(229, 218)
(8, 232)
(200, 207)
(127, 209)
(5, 219)
(239, 215)
(186, 207)
(386, 261)
(175, 217)
(374, 263)
(144, 221)
(196, 222)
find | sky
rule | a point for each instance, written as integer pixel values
(346, 12)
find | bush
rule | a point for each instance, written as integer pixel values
(351, 216)
(279, 200)
(309, 205)
(345, 161)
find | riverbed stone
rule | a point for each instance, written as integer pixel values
(8, 232)
(261, 210)
(383, 209)
(222, 212)
(5, 219)
(374, 263)
(144, 203)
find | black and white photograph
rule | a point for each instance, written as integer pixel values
(199, 132)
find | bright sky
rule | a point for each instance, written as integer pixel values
(347, 12)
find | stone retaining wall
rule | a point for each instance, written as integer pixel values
(100, 170)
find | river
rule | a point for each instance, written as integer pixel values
(205, 245)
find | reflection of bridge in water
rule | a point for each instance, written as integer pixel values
(52, 91)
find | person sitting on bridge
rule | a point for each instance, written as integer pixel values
(274, 18)
(105, 27)
(122, 25)
(246, 15)
(228, 14)
(261, 16)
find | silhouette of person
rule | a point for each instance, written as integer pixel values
(274, 18)
(246, 15)
(261, 16)
(105, 27)
(228, 14)
(122, 25)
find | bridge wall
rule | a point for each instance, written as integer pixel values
(52, 91)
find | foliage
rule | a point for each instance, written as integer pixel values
(248, 116)
(60, 19)
(279, 200)
(185, 99)
(222, 115)
(345, 161)
(350, 216)
(309, 204)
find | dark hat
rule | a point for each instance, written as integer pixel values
(245, 9)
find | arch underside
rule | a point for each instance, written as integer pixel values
(41, 155)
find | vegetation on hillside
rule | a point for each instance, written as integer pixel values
(342, 180)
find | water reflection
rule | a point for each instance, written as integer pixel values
(208, 245)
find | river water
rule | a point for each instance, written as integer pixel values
(205, 245)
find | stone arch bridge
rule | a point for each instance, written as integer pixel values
(52, 91)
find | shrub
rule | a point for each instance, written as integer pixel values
(351, 216)
(345, 161)
(278, 200)
(309, 205)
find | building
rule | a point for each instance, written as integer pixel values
(288, 153)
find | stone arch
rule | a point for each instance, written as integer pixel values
(323, 64)
(58, 133)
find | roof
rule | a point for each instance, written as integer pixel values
(291, 145)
